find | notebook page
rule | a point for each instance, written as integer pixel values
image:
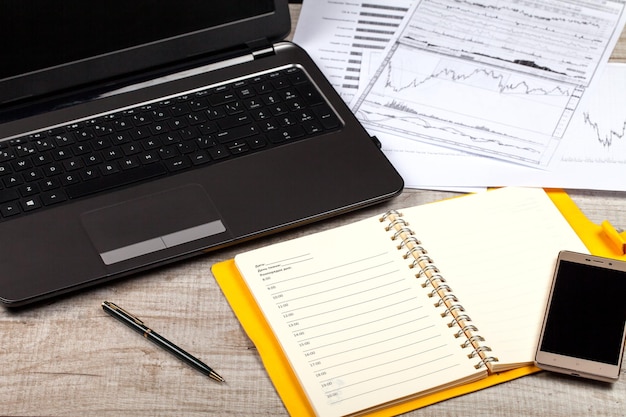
(355, 324)
(497, 251)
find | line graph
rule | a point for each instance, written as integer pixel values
(606, 137)
(501, 85)
(496, 10)
(473, 136)
(466, 105)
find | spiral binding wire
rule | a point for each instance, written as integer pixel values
(432, 277)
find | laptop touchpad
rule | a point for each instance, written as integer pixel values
(151, 223)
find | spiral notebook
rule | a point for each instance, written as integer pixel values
(411, 302)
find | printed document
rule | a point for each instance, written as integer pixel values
(492, 78)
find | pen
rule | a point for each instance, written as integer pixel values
(138, 325)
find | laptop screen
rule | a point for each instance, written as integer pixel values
(42, 34)
(50, 45)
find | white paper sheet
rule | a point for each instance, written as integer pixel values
(565, 153)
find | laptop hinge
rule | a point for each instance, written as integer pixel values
(261, 48)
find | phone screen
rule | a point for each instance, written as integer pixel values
(587, 313)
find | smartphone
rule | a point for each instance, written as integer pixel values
(584, 327)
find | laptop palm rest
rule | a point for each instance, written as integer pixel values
(153, 222)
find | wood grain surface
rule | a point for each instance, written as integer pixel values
(66, 357)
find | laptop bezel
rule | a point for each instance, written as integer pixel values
(171, 54)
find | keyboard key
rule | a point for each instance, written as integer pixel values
(28, 190)
(178, 109)
(208, 128)
(270, 124)
(280, 82)
(103, 129)
(279, 109)
(25, 150)
(326, 116)
(49, 184)
(218, 152)
(233, 121)
(245, 92)
(10, 209)
(94, 159)
(63, 140)
(271, 99)
(12, 180)
(198, 103)
(223, 97)
(69, 179)
(120, 138)
(216, 113)
(73, 164)
(120, 125)
(310, 94)
(60, 154)
(113, 154)
(234, 108)
(53, 197)
(263, 88)
(196, 118)
(102, 143)
(205, 142)
(31, 204)
(286, 134)
(237, 133)
(141, 119)
(84, 135)
(52, 169)
(178, 163)
(257, 142)
(41, 159)
(44, 145)
(131, 149)
(296, 75)
(89, 174)
(81, 149)
(159, 114)
(109, 169)
(140, 133)
(130, 163)
(22, 164)
(176, 124)
(199, 157)
(187, 147)
(238, 147)
(8, 195)
(253, 104)
(312, 127)
(32, 175)
(168, 152)
(149, 157)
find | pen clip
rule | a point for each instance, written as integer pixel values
(120, 310)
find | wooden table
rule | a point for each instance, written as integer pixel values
(66, 357)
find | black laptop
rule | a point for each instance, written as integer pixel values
(134, 134)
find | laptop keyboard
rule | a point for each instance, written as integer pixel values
(161, 138)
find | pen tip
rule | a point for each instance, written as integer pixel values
(216, 376)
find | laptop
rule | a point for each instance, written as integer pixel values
(136, 134)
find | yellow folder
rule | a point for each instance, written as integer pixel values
(601, 240)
